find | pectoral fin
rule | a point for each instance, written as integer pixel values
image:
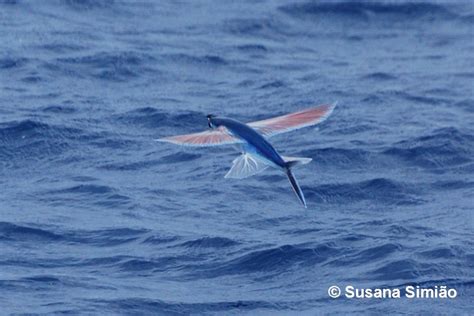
(245, 166)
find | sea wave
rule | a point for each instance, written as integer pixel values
(96, 217)
(363, 10)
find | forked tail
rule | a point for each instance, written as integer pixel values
(295, 186)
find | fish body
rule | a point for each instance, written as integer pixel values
(255, 142)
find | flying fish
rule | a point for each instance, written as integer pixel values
(257, 152)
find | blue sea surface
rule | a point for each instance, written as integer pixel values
(96, 217)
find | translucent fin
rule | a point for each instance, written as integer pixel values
(219, 136)
(295, 161)
(245, 166)
(293, 121)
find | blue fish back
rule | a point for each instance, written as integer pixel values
(253, 138)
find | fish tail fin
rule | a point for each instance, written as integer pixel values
(295, 185)
(296, 161)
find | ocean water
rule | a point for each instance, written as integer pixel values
(98, 218)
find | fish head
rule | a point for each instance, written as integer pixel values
(210, 121)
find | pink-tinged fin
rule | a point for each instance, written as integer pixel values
(204, 139)
(293, 121)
